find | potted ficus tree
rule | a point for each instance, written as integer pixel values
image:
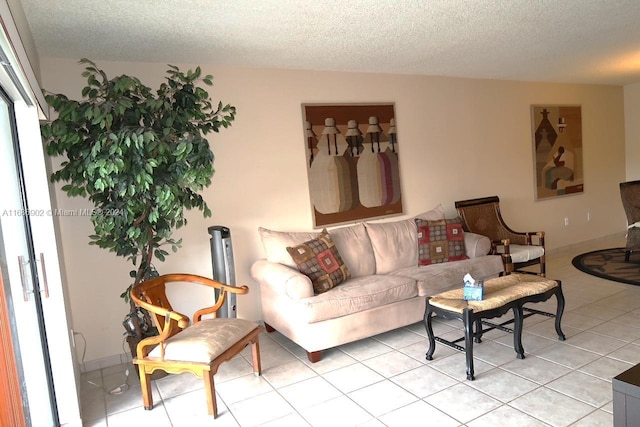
(140, 156)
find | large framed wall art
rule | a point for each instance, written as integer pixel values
(352, 161)
(557, 150)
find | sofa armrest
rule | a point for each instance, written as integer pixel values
(476, 245)
(282, 279)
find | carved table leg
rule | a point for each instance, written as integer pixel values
(517, 330)
(427, 325)
(467, 318)
(559, 311)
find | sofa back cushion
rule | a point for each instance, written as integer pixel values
(352, 243)
(355, 247)
(434, 214)
(395, 244)
(275, 244)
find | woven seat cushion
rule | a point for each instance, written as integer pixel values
(205, 340)
(523, 253)
(497, 292)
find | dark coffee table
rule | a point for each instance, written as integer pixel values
(501, 294)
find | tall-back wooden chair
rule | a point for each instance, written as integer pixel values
(518, 249)
(630, 194)
(199, 348)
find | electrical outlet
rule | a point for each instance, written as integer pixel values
(566, 221)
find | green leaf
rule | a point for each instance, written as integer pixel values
(140, 152)
(158, 254)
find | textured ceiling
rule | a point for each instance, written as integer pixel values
(579, 41)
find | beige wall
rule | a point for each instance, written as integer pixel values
(459, 138)
(632, 130)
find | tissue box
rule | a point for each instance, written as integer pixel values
(474, 293)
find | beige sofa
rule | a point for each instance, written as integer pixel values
(387, 288)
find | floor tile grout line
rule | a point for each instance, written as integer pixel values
(613, 299)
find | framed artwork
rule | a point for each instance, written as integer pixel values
(352, 161)
(557, 150)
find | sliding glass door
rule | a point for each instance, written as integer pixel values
(19, 267)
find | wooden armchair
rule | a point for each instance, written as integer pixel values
(518, 249)
(630, 194)
(199, 348)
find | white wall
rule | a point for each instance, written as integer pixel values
(459, 138)
(26, 39)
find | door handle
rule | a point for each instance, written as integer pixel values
(44, 276)
(23, 278)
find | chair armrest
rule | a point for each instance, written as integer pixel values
(506, 254)
(174, 322)
(181, 319)
(282, 279)
(536, 238)
(205, 281)
(526, 237)
(476, 245)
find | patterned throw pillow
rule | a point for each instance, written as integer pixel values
(319, 260)
(440, 241)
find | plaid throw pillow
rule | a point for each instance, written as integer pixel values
(440, 241)
(319, 260)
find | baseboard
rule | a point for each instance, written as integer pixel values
(578, 245)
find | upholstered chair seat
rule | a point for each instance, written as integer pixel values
(522, 253)
(204, 341)
(198, 348)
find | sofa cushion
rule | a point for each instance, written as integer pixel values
(440, 241)
(432, 215)
(358, 294)
(435, 278)
(352, 242)
(275, 244)
(355, 248)
(395, 244)
(476, 245)
(320, 260)
(522, 253)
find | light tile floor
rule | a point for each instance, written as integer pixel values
(386, 381)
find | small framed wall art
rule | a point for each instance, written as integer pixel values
(352, 161)
(557, 150)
